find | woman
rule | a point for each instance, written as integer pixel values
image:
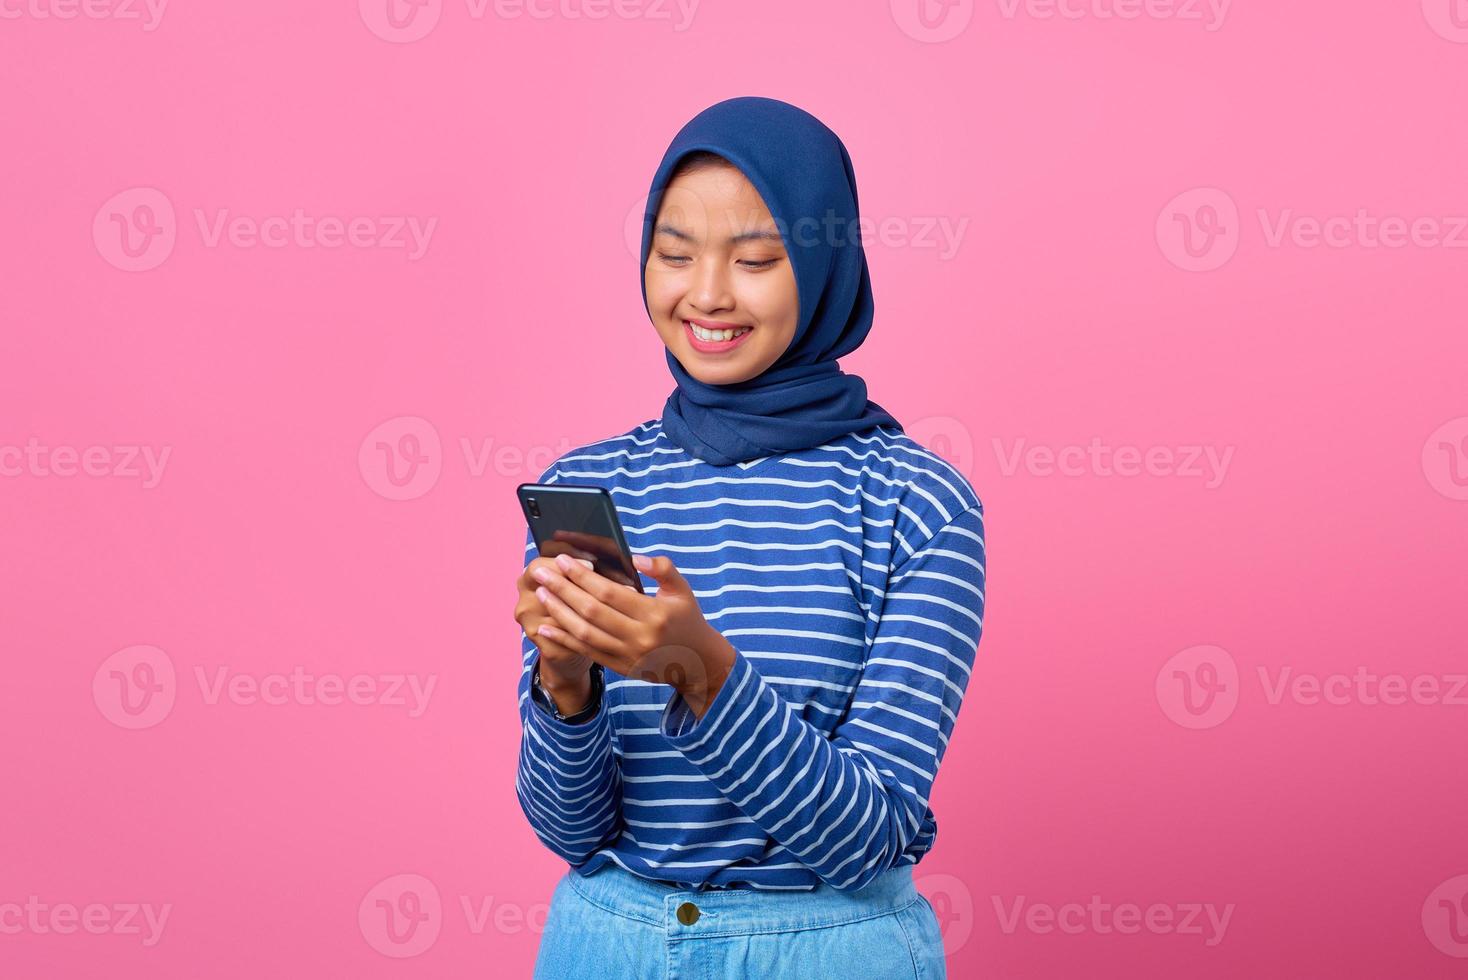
(737, 768)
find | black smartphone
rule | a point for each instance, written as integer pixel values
(581, 521)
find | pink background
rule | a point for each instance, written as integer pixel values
(1113, 280)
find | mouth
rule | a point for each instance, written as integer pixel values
(709, 336)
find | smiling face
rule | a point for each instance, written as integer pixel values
(717, 261)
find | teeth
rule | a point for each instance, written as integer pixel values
(714, 336)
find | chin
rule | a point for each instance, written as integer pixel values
(725, 374)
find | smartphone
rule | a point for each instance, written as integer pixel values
(581, 521)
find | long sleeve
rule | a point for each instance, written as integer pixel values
(567, 779)
(849, 804)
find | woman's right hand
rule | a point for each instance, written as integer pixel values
(566, 675)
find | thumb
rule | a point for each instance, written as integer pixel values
(663, 570)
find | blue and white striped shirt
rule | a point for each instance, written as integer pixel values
(850, 580)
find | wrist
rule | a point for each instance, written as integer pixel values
(570, 692)
(717, 657)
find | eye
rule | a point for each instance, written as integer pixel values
(763, 264)
(668, 257)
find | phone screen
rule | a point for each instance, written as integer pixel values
(579, 521)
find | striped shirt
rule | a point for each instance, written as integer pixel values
(849, 578)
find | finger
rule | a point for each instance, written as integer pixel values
(570, 621)
(594, 546)
(557, 643)
(609, 593)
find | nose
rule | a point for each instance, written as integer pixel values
(711, 289)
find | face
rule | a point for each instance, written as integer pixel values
(717, 262)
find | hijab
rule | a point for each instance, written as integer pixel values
(804, 174)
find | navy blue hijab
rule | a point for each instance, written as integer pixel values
(802, 170)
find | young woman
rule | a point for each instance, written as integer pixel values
(738, 767)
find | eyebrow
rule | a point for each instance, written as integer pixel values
(758, 235)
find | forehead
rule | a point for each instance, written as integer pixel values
(715, 195)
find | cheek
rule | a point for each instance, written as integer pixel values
(772, 300)
(775, 309)
(663, 292)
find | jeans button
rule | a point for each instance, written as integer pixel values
(688, 913)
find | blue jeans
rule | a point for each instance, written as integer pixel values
(620, 926)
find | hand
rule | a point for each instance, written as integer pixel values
(662, 638)
(565, 673)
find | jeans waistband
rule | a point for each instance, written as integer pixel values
(732, 911)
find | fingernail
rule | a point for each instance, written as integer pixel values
(542, 593)
(643, 563)
(540, 574)
(565, 562)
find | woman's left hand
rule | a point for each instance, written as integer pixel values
(662, 638)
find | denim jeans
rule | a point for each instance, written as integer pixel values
(616, 925)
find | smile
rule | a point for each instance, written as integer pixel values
(707, 341)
